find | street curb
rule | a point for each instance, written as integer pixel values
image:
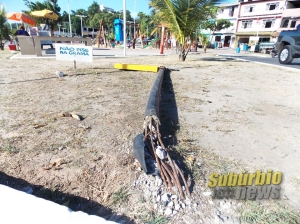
(262, 63)
(278, 66)
(245, 55)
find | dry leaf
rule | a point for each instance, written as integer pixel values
(47, 167)
(59, 162)
(191, 159)
(39, 125)
(65, 114)
(77, 117)
(55, 163)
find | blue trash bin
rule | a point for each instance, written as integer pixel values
(118, 27)
(237, 50)
(216, 45)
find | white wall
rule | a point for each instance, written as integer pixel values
(260, 8)
(225, 12)
(20, 207)
(230, 29)
(257, 25)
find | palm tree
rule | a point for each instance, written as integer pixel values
(46, 4)
(204, 41)
(4, 28)
(182, 18)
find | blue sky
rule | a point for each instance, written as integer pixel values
(140, 5)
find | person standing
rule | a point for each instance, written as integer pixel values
(21, 32)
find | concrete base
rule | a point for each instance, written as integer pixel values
(26, 44)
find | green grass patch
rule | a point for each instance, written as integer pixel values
(256, 212)
(157, 219)
(121, 196)
(10, 149)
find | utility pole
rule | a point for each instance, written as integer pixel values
(258, 24)
(124, 27)
(69, 18)
(59, 28)
(147, 21)
(81, 16)
(65, 28)
(134, 20)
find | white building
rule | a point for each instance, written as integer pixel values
(227, 36)
(258, 21)
(102, 7)
(290, 16)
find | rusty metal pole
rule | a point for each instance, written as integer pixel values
(162, 40)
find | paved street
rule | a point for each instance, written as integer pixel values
(261, 58)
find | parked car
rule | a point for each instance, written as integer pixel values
(265, 47)
(288, 45)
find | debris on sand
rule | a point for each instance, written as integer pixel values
(56, 163)
(59, 73)
(76, 116)
(36, 126)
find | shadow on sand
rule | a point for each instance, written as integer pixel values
(75, 203)
(170, 125)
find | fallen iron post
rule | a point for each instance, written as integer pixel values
(151, 142)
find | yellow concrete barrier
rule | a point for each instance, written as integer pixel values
(146, 68)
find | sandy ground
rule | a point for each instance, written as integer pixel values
(253, 116)
(242, 112)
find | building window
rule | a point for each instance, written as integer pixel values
(268, 23)
(231, 11)
(246, 24)
(249, 8)
(272, 6)
(284, 23)
(293, 24)
(217, 38)
(265, 39)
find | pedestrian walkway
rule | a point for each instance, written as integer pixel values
(102, 52)
(119, 52)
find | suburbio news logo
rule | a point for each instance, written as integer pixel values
(250, 186)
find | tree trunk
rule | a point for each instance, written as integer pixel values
(182, 54)
(184, 51)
